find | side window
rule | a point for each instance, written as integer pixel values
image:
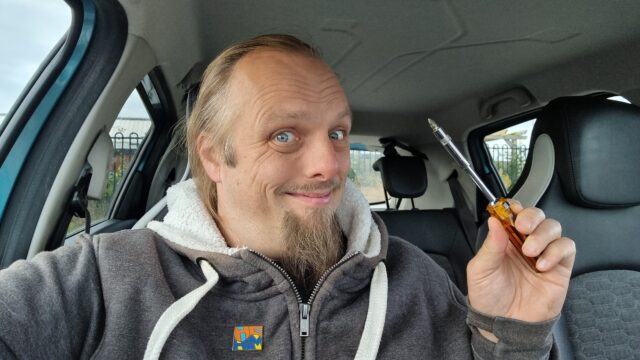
(363, 175)
(619, 98)
(508, 149)
(128, 133)
(28, 32)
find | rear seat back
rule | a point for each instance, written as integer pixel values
(436, 232)
(439, 232)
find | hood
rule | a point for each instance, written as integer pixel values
(189, 226)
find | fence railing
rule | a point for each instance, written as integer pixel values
(362, 167)
(124, 149)
(509, 161)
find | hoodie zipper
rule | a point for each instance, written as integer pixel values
(304, 309)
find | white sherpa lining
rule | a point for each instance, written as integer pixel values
(188, 223)
(357, 223)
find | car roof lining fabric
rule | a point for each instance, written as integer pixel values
(427, 59)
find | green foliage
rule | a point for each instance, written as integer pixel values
(353, 176)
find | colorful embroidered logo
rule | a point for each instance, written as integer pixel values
(247, 338)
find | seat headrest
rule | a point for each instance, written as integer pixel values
(402, 176)
(597, 149)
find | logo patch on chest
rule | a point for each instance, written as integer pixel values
(247, 338)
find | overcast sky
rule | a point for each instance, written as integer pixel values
(28, 31)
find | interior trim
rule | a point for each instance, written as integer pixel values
(542, 165)
(102, 115)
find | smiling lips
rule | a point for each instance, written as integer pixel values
(312, 198)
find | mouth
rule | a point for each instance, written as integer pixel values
(316, 199)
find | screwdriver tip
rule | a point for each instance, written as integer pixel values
(433, 124)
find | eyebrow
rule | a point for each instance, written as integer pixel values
(346, 113)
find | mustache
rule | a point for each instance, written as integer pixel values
(328, 185)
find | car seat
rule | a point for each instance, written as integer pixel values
(437, 232)
(584, 170)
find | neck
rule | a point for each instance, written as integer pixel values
(240, 232)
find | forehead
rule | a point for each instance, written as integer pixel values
(266, 65)
(270, 80)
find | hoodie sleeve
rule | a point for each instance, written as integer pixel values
(51, 306)
(516, 339)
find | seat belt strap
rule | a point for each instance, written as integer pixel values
(465, 216)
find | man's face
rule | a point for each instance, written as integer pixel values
(290, 131)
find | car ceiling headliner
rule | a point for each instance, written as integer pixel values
(401, 60)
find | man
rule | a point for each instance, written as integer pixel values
(271, 250)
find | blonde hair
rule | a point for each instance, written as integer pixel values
(213, 116)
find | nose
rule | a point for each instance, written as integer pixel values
(322, 159)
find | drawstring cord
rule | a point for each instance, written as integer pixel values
(373, 326)
(177, 311)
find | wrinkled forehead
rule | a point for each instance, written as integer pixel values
(266, 74)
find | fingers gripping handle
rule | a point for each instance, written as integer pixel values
(500, 210)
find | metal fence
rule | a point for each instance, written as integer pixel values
(126, 143)
(124, 149)
(509, 161)
(361, 171)
(364, 177)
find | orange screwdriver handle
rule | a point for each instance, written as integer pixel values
(501, 211)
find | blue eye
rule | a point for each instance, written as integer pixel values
(284, 137)
(337, 135)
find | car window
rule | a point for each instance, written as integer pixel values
(364, 177)
(619, 98)
(508, 149)
(29, 30)
(128, 133)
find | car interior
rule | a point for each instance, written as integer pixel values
(477, 68)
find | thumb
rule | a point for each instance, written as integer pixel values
(495, 245)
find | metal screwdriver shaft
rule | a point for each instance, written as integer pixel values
(445, 140)
(497, 207)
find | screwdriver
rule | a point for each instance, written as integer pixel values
(497, 207)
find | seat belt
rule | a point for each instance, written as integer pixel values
(469, 226)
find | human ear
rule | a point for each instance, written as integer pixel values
(210, 161)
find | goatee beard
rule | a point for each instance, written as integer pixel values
(313, 244)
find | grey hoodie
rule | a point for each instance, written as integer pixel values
(177, 291)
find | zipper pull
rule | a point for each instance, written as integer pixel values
(305, 310)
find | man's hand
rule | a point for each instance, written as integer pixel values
(501, 283)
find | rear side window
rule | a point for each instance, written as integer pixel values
(508, 149)
(128, 133)
(364, 177)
